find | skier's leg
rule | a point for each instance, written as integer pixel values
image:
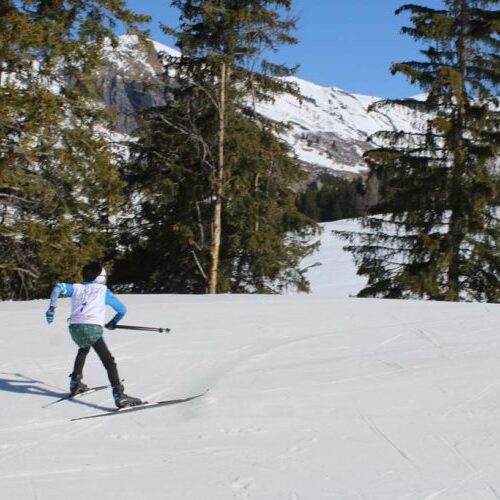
(81, 356)
(121, 399)
(76, 385)
(108, 361)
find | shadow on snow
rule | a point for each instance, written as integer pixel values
(26, 385)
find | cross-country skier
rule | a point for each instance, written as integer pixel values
(88, 304)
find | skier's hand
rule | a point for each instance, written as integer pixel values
(111, 325)
(51, 311)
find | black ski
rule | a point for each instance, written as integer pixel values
(69, 397)
(144, 406)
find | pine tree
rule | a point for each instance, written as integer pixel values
(226, 39)
(216, 183)
(58, 181)
(265, 237)
(437, 231)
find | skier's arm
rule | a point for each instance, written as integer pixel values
(64, 289)
(118, 306)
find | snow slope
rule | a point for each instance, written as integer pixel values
(129, 55)
(311, 397)
(331, 270)
(330, 127)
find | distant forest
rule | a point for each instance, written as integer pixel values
(330, 197)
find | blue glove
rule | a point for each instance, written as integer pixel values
(111, 325)
(51, 311)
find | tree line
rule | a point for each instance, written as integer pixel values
(204, 199)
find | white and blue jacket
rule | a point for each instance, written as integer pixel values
(88, 302)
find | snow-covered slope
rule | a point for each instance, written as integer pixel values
(129, 55)
(331, 270)
(330, 127)
(309, 398)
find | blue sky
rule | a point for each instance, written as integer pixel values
(343, 43)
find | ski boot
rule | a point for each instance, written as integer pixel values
(76, 386)
(122, 400)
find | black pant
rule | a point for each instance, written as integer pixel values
(106, 358)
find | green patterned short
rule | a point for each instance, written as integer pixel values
(85, 335)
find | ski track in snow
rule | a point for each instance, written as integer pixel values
(372, 426)
(475, 474)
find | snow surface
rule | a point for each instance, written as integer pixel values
(331, 270)
(165, 49)
(129, 55)
(311, 397)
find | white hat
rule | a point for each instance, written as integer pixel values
(101, 279)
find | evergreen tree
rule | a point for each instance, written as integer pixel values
(332, 198)
(437, 234)
(226, 39)
(215, 182)
(58, 182)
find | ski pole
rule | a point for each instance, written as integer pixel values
(143, 328)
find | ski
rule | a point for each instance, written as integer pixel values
(69, 397)
(144, 406)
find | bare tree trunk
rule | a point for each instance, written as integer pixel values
(219, 189)
(457, 227)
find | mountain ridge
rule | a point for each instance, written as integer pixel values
(330, 128)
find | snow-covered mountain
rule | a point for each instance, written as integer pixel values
(330, 127)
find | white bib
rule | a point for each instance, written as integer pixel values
(88, 304)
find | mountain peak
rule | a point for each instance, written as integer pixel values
(330, 127)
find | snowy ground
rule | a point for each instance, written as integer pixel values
(331, 270)
(310, 398)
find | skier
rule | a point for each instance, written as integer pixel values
(88, 301)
